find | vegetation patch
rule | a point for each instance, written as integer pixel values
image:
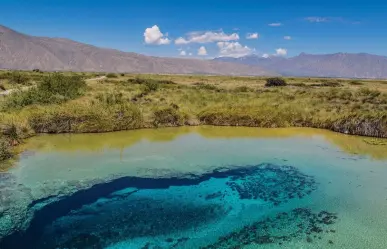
(275, 82)
(53, 89)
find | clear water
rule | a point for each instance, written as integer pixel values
(200, 187)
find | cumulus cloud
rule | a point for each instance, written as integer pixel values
(233, 49)
(190, 54)
(287, 37)
(316, 19)
(275, 24)
(281, 52)
(154, 36)
(266, 56)
(183, 53)
(202, 51)
(206, 37)
(252, 36)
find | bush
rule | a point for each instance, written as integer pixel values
(205, 86)
(2, 87)
(18, 78)
(53, 89)
(243, 89)
(111, 75)
(355, 83)
(110, 98)
(69, 87)
(5, 149)
(167, 116)
(275, 82)
(122, 74)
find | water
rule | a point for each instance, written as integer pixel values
(198, 187)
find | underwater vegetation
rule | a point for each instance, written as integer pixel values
(129, 208)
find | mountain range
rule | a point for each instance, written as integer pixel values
(25, 52)
(345, 65)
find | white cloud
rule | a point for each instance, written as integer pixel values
(206, 37)
(275, 24)
(287, 37)
(265, 55)
(190, 54)
(181, 41)
(316, 19)
(202, 51)
(233, 49)
(154, 36)
(183, 53)
(252, 36)
(281, 52)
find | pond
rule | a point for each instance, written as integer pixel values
(196, 187)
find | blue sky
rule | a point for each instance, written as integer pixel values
(209, 28)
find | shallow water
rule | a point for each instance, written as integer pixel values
(196, 187)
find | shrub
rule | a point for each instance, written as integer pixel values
(37, 70)
(275, 82)
(205, 86)
(111, 75)
(53, 89)
(18, 78)
(167, 116)
(355, 83)
(69, 87)
(151, 86)
(2, 87)
(122, 74)
(5, 149)
(110, 98)
(243, 89)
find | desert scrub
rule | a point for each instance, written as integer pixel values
(111, 75)
(111, 98)
(275, 82)
(53, 89)
(5, 149)
(18, 78)
(167, 116)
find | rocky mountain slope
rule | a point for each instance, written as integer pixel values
(346, 65)
(20, 51)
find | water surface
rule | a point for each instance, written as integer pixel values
(196, 187)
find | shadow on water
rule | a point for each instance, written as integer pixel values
(81, 220)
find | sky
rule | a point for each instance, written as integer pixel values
(207, 28)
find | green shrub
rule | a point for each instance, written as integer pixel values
(54, 89)
(70, 87)
(151, 86)
(111, 75)
(111, 98)
(18, 78)
(243, 89)
(122, 74)
(167, 116)
(275, 82)
(205, 86)
(2, 87)
(355, 83)
(5, 149)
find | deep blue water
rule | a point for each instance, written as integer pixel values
(168, 209)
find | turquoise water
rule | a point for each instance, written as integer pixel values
(194, 188)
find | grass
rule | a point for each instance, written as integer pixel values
(63, 103)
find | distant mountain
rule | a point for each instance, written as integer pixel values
(20, 51)
(344, 65)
